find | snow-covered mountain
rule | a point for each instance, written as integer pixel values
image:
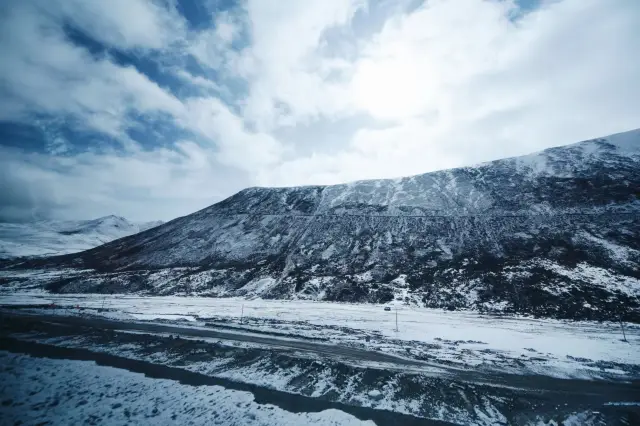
(48, 238)
(556, 233)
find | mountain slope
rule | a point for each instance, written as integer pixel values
(46, 238)
(554, 233)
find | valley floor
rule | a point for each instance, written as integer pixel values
(562, 348)
(437, 366)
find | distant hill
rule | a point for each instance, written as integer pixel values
(48, 238)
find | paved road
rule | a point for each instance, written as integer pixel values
(249, 337)
(598, 391)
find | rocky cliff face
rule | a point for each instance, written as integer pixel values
(556, 233)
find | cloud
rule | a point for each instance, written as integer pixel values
(282, 65)
(19, 201)
(124, 24)
(236, 145)
(457, 88)
(43, 72)
(211, 47)
(291, 93)
(163, 183)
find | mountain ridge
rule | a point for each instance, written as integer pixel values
(553, 233)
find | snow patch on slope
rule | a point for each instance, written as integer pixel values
(616, 251)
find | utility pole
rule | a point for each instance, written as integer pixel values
(242, 315)
(624, 335)
(397, 319)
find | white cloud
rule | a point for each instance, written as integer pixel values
(212, 46)
(317, 93)
(460, 82)
(414, 63)
(159, 184)
(236, 145)
(282, 63)
(399, 150)
(198, 81)
(44, 73)
(125, 24)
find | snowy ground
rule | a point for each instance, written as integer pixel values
(301, 383)
(466, 356)
(62, 392)
(542, 346)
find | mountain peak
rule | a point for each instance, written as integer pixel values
(112, 219)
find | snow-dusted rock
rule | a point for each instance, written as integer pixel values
(376, 395)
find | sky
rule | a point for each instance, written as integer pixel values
(153, 109)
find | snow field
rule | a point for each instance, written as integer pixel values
(79, 392)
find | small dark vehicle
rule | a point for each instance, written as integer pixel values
(387, 308)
